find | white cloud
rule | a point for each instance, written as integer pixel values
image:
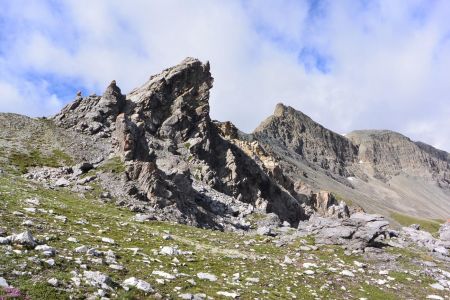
(388, 60)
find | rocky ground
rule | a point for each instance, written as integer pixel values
(59, 242)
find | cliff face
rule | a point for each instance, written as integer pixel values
(298, 133)
(389, 154)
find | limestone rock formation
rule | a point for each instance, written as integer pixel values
(294, 131)
(388, 154)
(163, 131)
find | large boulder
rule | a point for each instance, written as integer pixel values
(359, 231)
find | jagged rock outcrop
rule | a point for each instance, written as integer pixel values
(292, 130)
(93, 114)
(325, 204)
(163, 131)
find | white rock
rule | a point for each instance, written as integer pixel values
(81, 249)
(347, 273)
(441, 250)
(61, 218)
(228, 294)
(287, 260)
(163, 275)
(53, 282)
(137, 283)
(50, 262)
(381, 281)
(207, 276)
(30, 209)
(27, 223)
(309, 265)
(97, 279)
(5, 240)
(167, 237)
(437, 286)
(435, 297)
(72, 239)
(116, 267)
(24, 238)
(252, 279)
(61, 182)
(309, 272)
(383, 272)
(359, 264)
(33, 201)
(46, 250)
(108, 240)
(166, 250)
(3, 282)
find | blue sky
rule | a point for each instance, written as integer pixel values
(348, 64)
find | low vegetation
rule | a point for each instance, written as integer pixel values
(431, 226)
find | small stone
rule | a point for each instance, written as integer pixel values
(30, 209)
(50, 262)
(166, 250)
(108, 240)
(207, 276)
(27, 223)
(163, 275)
(437, 286)
(46, 250)
(53, 282)
(116, 267)
(137, 283)
(3, 282)
(347, 273)
(167, 237)
(228, 294)
(62, 182)
(309, 265)
(309, 272)
(72, 239)
(435, 297)
(81, 249)
(25, 238)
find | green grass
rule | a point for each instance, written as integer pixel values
(35, 158)
(340, 198)
(113, 165)
(431, 226)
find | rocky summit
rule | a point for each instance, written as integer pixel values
(143, 196)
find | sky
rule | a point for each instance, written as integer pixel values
(347, 64)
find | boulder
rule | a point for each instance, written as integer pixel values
(444, 232)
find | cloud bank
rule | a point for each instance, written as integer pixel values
(348, 64)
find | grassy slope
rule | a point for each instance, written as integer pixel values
(431, 226)
(222, 254)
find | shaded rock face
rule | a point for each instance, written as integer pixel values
(390, 153)
(296, 132)
(163, 132)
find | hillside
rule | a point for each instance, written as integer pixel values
(143, 196)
